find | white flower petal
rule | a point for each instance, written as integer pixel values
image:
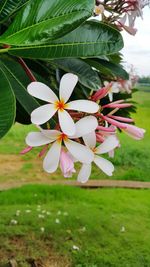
(80, 152)
(51, 161)
(37, 139)
(51, 134)
(115, 89)
(42, 91)
(109, 144)
(66, 122)
(67, 85)
(85, 126)
(84, 173)
(110, 95)
(90, 139)
(43, 114)
(83, 105)
(105, 165)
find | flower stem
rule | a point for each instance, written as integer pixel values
(27, 70)
(4, 50)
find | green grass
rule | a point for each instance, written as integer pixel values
(132, 160)
(91, 220)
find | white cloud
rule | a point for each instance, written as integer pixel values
(137, 48)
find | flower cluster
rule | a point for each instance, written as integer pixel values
(122, 13)
(84, 129)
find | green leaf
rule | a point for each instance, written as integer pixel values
(21, 115)
(116, 69)
(103, 71)
(108, 68)
(87, 76)
(90, 39)
(8, 7)
(7, 104)
(44, 20)
(19, 82)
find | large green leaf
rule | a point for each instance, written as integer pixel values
(87, 76)
(108, 68)
(44, 20)
(7, 104)
(116, 69)
(19, 82)
(21, 115)
(8, 7)
(90, 39)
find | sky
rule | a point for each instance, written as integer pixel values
(137, 48)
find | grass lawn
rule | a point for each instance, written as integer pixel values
(132, 160)
(82, 228)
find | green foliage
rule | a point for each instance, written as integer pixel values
(9, 7)
(90, 39)
(42, 21)
(19, 83)
(87, 76)
(7, 104)
(55, 37)
(144, 79)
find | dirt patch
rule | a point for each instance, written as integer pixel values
(25, 251)
(10, 164)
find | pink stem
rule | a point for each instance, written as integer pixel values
(27, 70)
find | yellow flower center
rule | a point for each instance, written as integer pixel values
(94, 149)
(60, 105)
(62, 137)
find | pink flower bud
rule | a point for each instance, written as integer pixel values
(118, 118)
(114, 122)
(99, 94)
(26, 150)
(111, 105)
(43, 151)
(99, 138)
(102, 92)
(66, 164)
(133, 131)
(106, 129)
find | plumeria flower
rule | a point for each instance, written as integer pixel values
(78, 151)
(42, 229)
(41, 216)
(66, 164)
(18, 212)
(99, 9)
(113, 89)
(14, 222)
(46, 112)
(65, 213)
(57, 221)
(122, 230)
(106, 166)
(27, 211)
(74, 247)
(134, 131)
